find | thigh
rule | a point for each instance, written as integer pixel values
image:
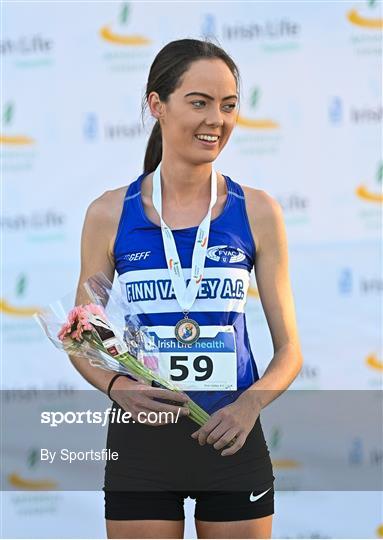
(153, 528)
(249, 528)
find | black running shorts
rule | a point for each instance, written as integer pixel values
(169, 505)
(162, 465)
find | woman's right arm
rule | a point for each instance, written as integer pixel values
(97, 239)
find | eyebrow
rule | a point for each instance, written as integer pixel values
(209, 97)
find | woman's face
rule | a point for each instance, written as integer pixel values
(204, 104)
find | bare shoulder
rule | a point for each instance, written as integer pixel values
(264, 212)
(107, 207)
(103, 216)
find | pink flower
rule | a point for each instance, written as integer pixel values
(78, 321)
(151, 362)
(65, 330)
(76, 324)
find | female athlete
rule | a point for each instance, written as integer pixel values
(183, 239)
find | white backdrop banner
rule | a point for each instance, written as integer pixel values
(309, 133)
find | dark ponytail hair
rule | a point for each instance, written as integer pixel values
(165, 74)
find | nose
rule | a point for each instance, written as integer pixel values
(214, 117)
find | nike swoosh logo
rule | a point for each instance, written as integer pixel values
(255, 498)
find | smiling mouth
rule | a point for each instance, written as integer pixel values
(206, 142)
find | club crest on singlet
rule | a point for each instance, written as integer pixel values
(225, 254)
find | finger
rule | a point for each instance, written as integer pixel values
(217, 433)
(204, 431)
(167, 394)
(165, 407)
(225, 438)
(235, 447)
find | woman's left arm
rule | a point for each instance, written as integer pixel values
(273, 281)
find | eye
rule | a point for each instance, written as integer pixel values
(199, 101)
(231, 106)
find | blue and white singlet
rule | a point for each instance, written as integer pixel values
(145, 281)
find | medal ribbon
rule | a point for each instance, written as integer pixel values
(185, 295)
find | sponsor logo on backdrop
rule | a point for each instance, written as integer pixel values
(366, 23)
(273, 35)
(106, 130)
(18, 151)
(31, 481)
(345, 281)
(376, 195)
(39, 226)
(18, 324)
(18, 309)
(368, 285)
(248, 139)
(373, 362)
(289, 469)
(335, 110)
(366, 18)
(308, 377)
(128, 50)
(275, 445)
(371, 198)
(374, 365)
(358, 454)
(357, 115)
(295, 208)
(26, 501)
(28, 51)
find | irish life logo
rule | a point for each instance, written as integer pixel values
(258, 135)
(118, 33)
(18, 147)
(11, 137)
(126, 49)
(374, 196)
(17, 307)
(366, 25)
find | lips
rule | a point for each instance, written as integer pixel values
(207, 144)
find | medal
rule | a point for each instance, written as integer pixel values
(187, 330)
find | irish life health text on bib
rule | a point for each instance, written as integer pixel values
(208, 364)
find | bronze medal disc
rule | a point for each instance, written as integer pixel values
(187, 331)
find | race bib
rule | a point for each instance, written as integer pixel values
(208, 364)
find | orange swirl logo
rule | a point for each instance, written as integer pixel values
(255, 123)
(18, 311)
(371, 23)
(373, 362)
(19, 482)
(123, 39)
(13, 140)
(363, 192)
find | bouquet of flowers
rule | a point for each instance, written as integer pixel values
(104, 332)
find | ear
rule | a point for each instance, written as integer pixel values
(155, 105)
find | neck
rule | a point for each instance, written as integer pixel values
(185, 182)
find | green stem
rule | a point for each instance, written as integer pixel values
(197, 414)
